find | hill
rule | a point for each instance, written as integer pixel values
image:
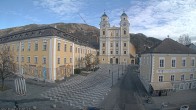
(142, 42)
(89, 33)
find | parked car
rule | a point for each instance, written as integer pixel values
(184, 107)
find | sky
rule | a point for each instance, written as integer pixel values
(154, 18)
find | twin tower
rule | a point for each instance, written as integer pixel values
(115, 46)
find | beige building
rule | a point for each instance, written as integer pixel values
(115, 46)
(47, 53)
(168, 66)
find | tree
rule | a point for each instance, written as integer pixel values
(89, 60)
(7, 65)
(184, 39)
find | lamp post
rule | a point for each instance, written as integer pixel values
(122, 68)
(118, 72)
(112, 78)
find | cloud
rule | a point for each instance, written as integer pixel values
(22, 16)
(161, 18)
(61, 7)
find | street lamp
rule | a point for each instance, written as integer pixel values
(118, 72)
(122, 68)
(112, 78)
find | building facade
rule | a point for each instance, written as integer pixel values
(47, 53)
(167, 67)
(115, 46)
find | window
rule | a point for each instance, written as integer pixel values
(125, 44)
(76, 50)
(192, 62)
(103, 45)
(191, 76)
(58, 60)
(184, 62)
(13, 47)
(103, 52)
(103, 59)
(116, 52)
(18, 47)
(172, 77)
(44, 60)
(17, 59)
(116, 44)
(44, 46)
(111, 44)
(160, 78)
(8, 48)
(182, 77)
(29, 46)
(124, 32)
(65, 47)
(125, 52)
(173, 63)
(70, 48)
(22, 46)
(111, 52)
(70, 60)
(103, 32)
(161, 63)
(28, 59)
(22, 58)
(35, 60)
(59, 46)
(36, 46)
(64, 60)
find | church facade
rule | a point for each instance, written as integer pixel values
(115, 46)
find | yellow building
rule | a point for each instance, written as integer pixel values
(168, 66)
(47, 53)
(115, 46)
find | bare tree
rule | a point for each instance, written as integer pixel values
(7, 65)
(184, 39)
(88, 60)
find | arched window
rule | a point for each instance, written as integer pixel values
(103, 32)
(124, 32)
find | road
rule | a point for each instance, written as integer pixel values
(131, 90)
(126, 94)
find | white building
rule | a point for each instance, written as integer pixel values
(115, 46)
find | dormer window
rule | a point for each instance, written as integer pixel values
(103, 19)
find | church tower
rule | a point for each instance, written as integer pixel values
(114, 41)
(125, 38)
(104, 40)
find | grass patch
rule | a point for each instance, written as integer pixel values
(4, 89)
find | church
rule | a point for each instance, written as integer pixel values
(115, 45)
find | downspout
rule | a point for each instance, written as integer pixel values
(73, 57)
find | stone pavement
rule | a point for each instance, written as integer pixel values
(174, 100)
(82, 91)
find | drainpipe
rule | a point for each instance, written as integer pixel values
(19, 57)
(73, 58)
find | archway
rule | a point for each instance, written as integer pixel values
(132, 61)
(116, 60)
(111, 61)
